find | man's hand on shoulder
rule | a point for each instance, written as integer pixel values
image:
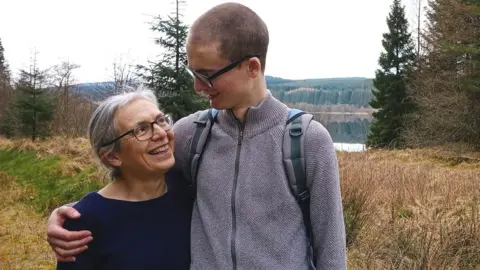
(66, 244)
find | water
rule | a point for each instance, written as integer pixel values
(348, 132)
(350, 147)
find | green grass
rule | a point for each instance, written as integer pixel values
(44, 176)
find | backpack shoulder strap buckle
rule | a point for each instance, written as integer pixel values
(304, 195)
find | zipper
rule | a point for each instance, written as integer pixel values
(234, 189)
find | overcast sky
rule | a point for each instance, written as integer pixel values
(308, 38)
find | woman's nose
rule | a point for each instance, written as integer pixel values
(158, 132)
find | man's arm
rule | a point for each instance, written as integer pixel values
(83, 262)
(66, 244)
(325, 202)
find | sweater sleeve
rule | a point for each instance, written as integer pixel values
(326, 203)
(184, 129)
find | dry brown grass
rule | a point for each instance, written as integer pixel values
(75, 152)
(420, 209)
(22, 230)
(404, 209)
(76, 148)
(5, 143)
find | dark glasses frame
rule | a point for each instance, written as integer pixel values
(208, 79)
(168, 121)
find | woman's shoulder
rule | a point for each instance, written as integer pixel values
(176, 179)
(177, 182)
(90, 208)
(180, 190)
(89, 202)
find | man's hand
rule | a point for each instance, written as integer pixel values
(65, 243)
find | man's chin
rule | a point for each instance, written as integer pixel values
(217, 105)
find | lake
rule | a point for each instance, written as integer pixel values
(348, 131)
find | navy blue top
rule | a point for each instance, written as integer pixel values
(151, 234)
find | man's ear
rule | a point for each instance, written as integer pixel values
(254, 67)
(111, 158)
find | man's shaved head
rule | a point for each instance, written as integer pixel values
(238, 30)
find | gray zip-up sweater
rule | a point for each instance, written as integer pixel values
(245, 216)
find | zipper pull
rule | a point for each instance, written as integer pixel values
(241, 138)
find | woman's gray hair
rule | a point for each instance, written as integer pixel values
(102, 127)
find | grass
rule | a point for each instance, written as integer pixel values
(22, 230)
(403, 209)
(412, 209)
(47, 176)
(60, 170)
(35, 178)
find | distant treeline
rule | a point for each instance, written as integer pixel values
(352, 91)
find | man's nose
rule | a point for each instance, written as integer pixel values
(199, 86)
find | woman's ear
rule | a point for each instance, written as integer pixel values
(111, 158)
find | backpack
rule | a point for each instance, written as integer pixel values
(293, 157)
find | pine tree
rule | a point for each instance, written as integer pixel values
(390, 94)
(5, 89)
(33, 103)
(446, 85)
(171, 83)
(6, 122)
(4, 70)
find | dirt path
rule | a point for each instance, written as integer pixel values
(22, 230)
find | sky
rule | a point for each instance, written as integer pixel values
(308, 38)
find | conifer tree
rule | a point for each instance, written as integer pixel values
(33, 104)
(390, 93)
(170, 81)
(446, 85)
(6, 122)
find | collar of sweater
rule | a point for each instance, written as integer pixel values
(268, 113)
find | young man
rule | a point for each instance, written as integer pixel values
(245, 215)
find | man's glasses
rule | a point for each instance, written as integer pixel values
(207, 80)
(144, 130)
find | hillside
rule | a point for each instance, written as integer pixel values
(354, 91)
(94, 91)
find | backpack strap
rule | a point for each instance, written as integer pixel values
(295, 164)
(204, 125)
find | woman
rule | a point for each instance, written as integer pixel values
(133, 139)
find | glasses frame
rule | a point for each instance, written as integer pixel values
(132, 131)
(207, 80)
